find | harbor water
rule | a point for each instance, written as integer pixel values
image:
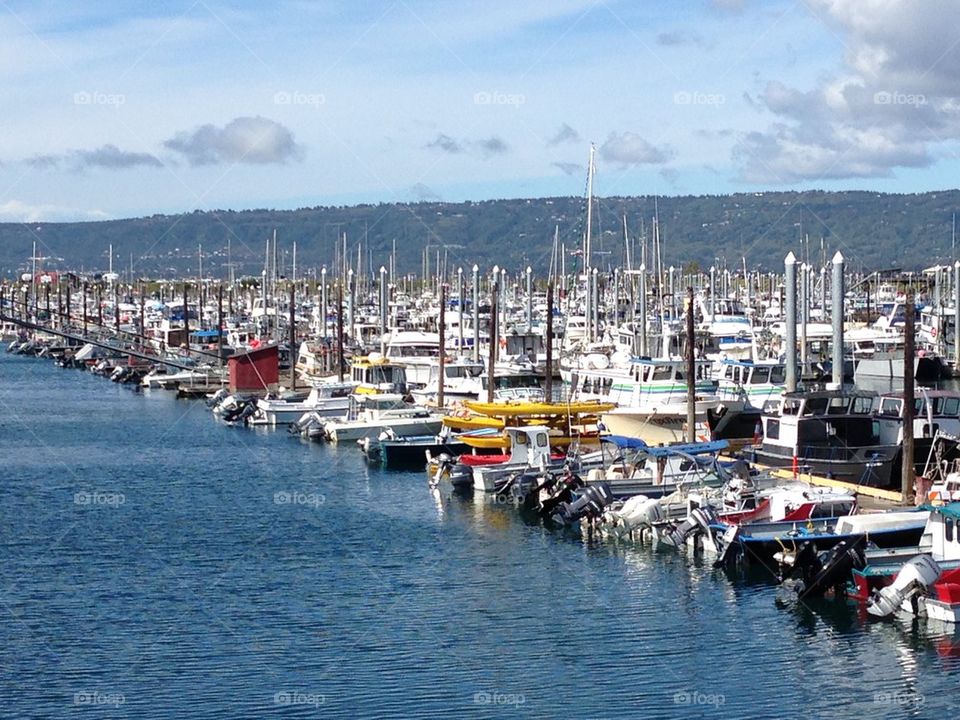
(158, 564)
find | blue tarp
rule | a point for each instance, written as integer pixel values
(204, 333)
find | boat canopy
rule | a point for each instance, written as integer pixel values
(631, 443)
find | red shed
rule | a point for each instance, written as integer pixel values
(257, 371)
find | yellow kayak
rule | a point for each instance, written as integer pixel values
(519, 408)
(472, 422)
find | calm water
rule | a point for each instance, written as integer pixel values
(157, 564)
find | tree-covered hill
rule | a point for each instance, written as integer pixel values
(873, 230)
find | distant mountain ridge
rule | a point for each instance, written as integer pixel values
(873, 230)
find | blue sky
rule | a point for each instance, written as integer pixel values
(119, 109)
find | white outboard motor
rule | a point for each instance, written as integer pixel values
(914, 578)
(637, 511)
(698, 521)
(217, 397)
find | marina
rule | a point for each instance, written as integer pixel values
(763, 517)
(494, 360)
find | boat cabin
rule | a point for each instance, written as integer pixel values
(376, 374)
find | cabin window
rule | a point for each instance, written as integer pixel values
(778, 375)
(662, 372)
(521, 439)
(862, 405)
(728, 372)
(839, 406)
(542, 440)
(890, 407)
(949, 406)
(760, 375)
(773, 429)
(815, 406)
(948, 529)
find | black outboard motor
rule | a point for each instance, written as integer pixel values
(818, 572)
(556, 490)
(698, 521)
(588, 505)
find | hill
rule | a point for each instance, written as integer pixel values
(873, 230)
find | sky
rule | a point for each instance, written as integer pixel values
(120, 109)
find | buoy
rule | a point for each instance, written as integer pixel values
(796, 466)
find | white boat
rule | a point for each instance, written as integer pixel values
(652, 398)
(326, 400)
(371, 414)
(461, 381)
(417, 351)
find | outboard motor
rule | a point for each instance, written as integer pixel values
(589, 505)
(556, 490)
(217, 397)
(697, 522)
(818, 572)
(637, 511)
(248, 411)
(914, 578)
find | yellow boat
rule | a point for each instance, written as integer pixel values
(519, 408)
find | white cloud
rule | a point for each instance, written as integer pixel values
(18, 211)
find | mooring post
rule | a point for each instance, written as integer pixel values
(476, 313)
(293, 336)
(340, 330)
(837, 317)
(219, 323)
(691, 373)
(907, 474)
(548, 379)
(790, 319)
(442, 331)
(495, 291)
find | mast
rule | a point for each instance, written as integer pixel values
(586, 242)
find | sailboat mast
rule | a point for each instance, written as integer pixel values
(587, 237)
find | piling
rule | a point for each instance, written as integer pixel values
(691, 373)
(956, 316)
(476, 313)
(644, 340)
(495, 291)
(529, 299)
(219, 323)
(461, 296)
(790, 319)
(907, 472)
(837, 318)
(340, 331)
(383, 310)
(548, 379)
(293, 336)
(442, 332)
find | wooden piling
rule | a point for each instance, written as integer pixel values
(907, 471)
(442, 332)
(691, 373)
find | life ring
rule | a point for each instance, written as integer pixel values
(503, 343)
(933, 332)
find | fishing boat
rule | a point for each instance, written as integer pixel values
(371, 414)
(831, 433)
(651, 398)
